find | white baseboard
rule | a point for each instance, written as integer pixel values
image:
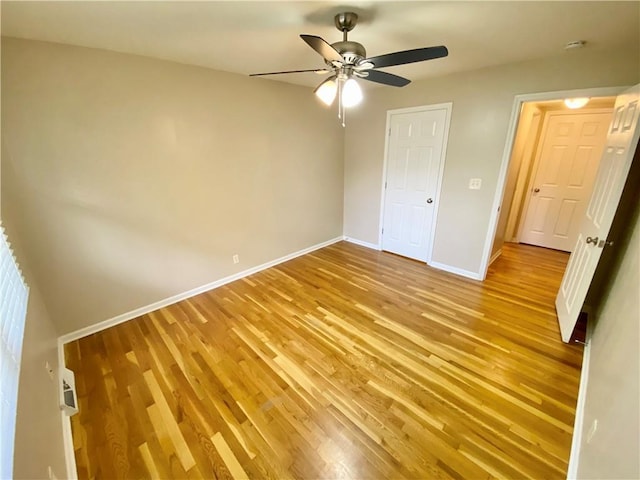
(495, 256)
(574, 457)
(70, 459)
(373, 246)
(456, 270)
(98, 327)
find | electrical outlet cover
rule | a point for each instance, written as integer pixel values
(475, 183)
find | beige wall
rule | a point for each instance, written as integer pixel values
(613, 384)
(133, 179)
(38, 440)
(482, 103)
(519, 166)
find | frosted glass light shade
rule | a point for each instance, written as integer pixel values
(326, 91)
(576, 102)
(351, 93)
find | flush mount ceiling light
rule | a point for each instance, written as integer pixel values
(575, 103)
(347, 62)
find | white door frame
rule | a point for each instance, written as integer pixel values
(508, 150)
(423, 108)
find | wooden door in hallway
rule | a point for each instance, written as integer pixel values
(621, 144)
(415, 155)
(566, 166)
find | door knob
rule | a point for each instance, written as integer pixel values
(593, 240)
(536, 190)
(429, 200)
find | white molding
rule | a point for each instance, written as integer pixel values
(448, 107)
(456, 270)
(83, 332)
(67, 436)
(355, 241)
(495, 256)
(574, 456)
(508, 150)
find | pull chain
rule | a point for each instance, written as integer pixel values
(341, 109)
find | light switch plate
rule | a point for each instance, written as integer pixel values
(475, 183)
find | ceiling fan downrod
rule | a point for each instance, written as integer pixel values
(352, 52)
(345, 22)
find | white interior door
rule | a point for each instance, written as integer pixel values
(415, 151)
(570, 150)
(621, 143)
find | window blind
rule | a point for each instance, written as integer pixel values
(13, 310)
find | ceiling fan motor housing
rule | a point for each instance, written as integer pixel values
(352, 52)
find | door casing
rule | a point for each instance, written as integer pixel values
(423, 108)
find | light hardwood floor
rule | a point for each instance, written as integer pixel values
(343, 363)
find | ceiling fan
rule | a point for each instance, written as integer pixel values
(347, 60)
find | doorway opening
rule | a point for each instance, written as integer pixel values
(621, 141)
(551, 170)
(493, 240)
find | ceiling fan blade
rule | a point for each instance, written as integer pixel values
(408, 56)
(315, 70)
(386, 78)
(329, 53)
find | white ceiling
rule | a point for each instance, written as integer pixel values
(262, 36)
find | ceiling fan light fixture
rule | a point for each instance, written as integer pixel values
(351, 93)
(575, 103)
(327, 90)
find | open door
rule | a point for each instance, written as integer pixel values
(621, 143)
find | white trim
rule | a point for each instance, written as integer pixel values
(456, 270)
(495, 256)
(83, 332)
(67, 437)
(508, 148)
(362, 243)
(574, 456)
(448, 107)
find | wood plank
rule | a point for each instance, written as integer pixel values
(346, 362)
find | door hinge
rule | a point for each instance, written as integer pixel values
(385, 185)
(389, 133)
(383, 230)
